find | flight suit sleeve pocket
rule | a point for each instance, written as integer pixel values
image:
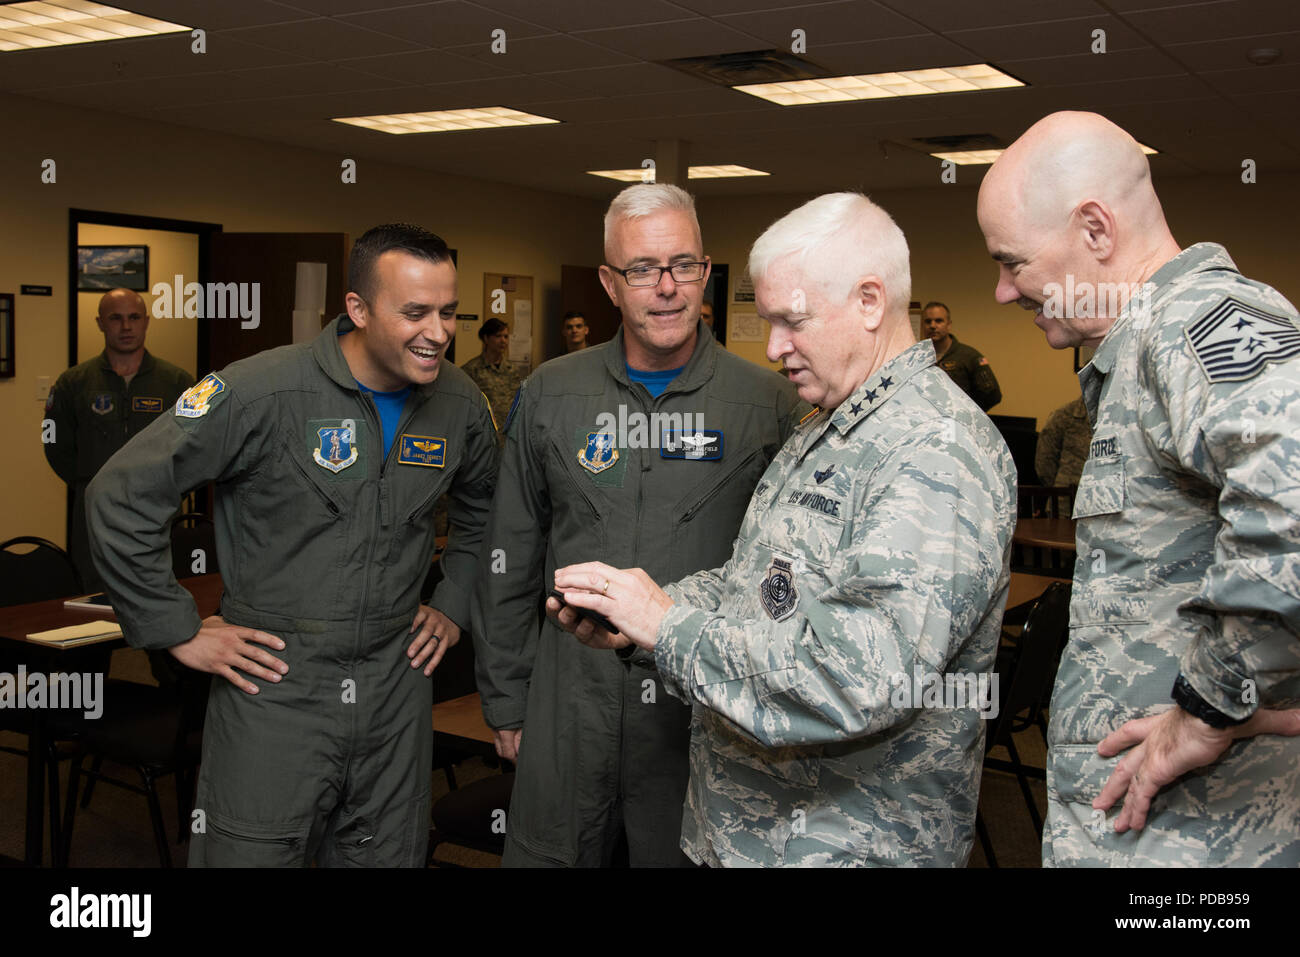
(1101, 487)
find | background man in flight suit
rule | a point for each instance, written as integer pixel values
(96, 407)
(872, 563)
(603, 750)
(328, 458)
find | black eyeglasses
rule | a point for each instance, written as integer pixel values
(653, 275)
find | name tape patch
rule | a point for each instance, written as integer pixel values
(427, 450)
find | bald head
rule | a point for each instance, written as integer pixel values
(123, 319)
(1069, 158)
(1072, 197)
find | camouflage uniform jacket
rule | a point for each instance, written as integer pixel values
(970, 370)
(499, 383)
(1063, 445)
(1188, 559)
(875, 551)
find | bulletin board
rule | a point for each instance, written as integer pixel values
(509, 297)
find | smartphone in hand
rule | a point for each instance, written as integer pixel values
(595, 617)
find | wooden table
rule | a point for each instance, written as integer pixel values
(1026, 588)
(1045, 532)
(462, 719)
(16, 623)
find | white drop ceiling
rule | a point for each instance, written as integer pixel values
(1176, 75)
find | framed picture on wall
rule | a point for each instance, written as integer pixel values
(100, 268)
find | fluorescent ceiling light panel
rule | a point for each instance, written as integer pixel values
(873, 86)
(724, 171)
(984, 157)
(446, 121)
(30, 26)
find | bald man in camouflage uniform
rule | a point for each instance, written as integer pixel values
(1187, 584)
(873, 561)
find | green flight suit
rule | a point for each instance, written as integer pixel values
(604, 748)
(967, 367)
(95, 412)
(324, 542)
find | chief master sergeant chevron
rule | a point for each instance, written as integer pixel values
(876, 546)
(328, 458)
(1187, 583)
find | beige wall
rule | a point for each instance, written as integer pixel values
(949, 263)
(170, 254)
(245, 185)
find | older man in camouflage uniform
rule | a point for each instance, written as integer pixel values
(1188, 576)
(828, 660)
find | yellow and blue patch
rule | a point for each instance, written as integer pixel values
(427, 450)
(197, 400)
(146, 403)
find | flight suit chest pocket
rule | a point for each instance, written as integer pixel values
(1101, 487)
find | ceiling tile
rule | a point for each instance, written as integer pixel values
(442, 25)
(1230, 54)
(945, 15)
(427, 66)
(1227, 18)
(669, 41)
(217, 16)
(543, 54)
(571, 16)
(883, 56)
(823, 23)
(323, 39)
(1054, 38)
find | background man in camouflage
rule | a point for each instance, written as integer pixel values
(1188, 572)
(1063, 445)
(965, 364)
(97, 406)
(873, 559)
(492, 371)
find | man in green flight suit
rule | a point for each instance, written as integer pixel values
(328, 458)
(641, 450)
(964, 364)
(97, 406)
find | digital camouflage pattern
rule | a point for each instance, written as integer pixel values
(968, 368)
(1063, 445)
(876, 543)
(1188, 557)
(499, 383)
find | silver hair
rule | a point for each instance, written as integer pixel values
(838, 238)
(642, 199)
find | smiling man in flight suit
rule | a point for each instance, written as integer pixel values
(586, 472)
(328, 458)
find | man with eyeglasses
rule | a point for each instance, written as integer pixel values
(643, 450)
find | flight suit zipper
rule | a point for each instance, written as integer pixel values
(716, 487)
(329, 502)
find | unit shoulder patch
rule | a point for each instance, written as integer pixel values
(197, 400)
(1234, 341)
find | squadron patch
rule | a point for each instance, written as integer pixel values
(102, 404)
(197, 399)
(145, 403)
(777, 590)
(1234, 341)
(599, 452)
(337, 449)
(426, 450)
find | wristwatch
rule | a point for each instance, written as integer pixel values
(1185, 697)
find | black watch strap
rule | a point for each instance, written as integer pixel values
(1185, 697)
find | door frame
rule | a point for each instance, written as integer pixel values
(98, 217)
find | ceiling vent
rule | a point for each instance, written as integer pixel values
(959, 143)
(737, 69)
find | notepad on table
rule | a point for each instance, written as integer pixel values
(81, 634)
